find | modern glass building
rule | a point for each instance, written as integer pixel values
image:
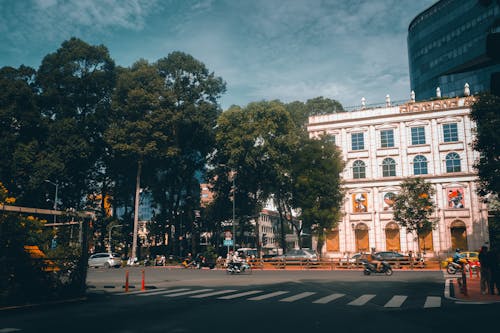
(452, 43)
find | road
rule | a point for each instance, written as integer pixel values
(182, 300)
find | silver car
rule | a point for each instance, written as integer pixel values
(105, 260)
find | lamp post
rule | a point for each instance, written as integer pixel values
(109, 238)
(234, 210)
(233, 188)
(55, 197)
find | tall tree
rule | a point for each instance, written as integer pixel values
(141, 128)
(22, 131)
(486, 114)
(255, 142)
(317, 186)
(414, 207)
(75, 86)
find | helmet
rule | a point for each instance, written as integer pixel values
(457, 250)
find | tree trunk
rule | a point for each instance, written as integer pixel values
(136, 209)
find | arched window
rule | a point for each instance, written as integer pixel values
(388, 167)
(359, 169)
(420, 165)
(458, 232)
(453, 162)
(392, 237)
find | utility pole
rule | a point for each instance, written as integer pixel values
(56, 184)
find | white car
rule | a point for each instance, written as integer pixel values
(105, 260)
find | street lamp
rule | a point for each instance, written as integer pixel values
(233, 188)
(111, 228)
(234, 210)
(55, 197)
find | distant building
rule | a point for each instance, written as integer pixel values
(383, 146)
(452, 43)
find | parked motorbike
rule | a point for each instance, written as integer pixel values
(238, 268)
(454, 267)
(370, 268)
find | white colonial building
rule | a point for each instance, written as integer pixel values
(381, 147)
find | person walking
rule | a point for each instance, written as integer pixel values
(485, 270)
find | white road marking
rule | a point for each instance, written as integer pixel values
(432, 302)
(241, 294)
(297, 297)
(266, 296)
(362, 300)
(188, 293)
(215, 293)
(139, 291)
(396, 301)
(328, 299)
(161, 292)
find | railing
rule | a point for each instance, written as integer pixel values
(336, 264)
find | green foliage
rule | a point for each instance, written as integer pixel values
(486, 114)
(414, 206)
(317, 188)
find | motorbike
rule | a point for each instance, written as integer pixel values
(234, 268)
(454, 267)
(370, 268)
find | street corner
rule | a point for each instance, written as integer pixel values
(468, 291)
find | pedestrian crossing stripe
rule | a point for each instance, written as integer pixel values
(328, 299)
(361, 300)
(187, 293)
(395, 302)
(214, 293)
(297, 297)
(432, 302)
(266, 296)
(247, 293)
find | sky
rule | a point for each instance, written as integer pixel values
(290, 50)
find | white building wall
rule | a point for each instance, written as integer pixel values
(431, 116)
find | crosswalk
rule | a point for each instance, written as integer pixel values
(396, 301)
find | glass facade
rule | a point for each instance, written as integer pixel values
(448, 47)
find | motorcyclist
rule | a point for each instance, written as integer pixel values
(375, 260)
(457, 257)
(235, 261)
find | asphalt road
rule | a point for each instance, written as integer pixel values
(269, 301)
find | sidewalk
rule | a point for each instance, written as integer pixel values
(473, 293)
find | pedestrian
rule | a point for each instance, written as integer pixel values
(493, 262)
(485, 269)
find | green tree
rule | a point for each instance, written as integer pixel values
(21, 133)
(414, 207)
(75, 85)
(140, 129)
(317, 186)
(255, 142)
(486, 114)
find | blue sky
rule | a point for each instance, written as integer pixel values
(264, 49)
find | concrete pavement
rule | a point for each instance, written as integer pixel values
(472, 291)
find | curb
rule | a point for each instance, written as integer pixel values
(33, 305)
